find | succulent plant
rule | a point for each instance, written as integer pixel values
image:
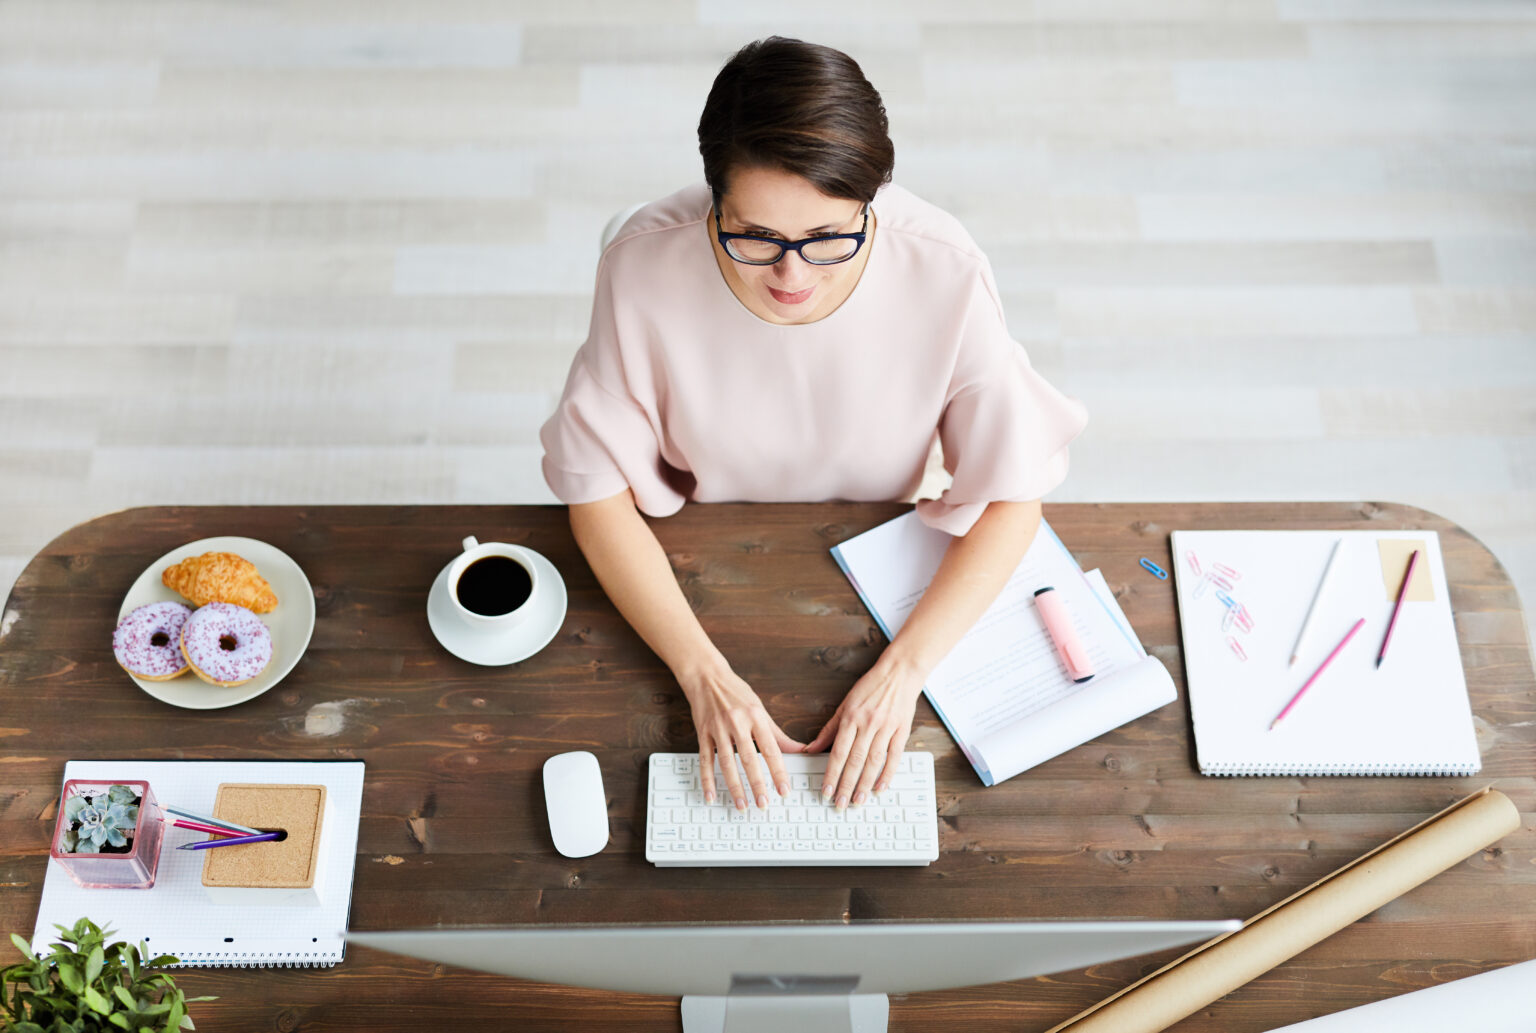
(104, 819)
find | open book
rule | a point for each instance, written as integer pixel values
(1003, 692)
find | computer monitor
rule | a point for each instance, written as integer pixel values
(815, 978)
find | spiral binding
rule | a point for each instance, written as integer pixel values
(259, 960)
(1346, 770)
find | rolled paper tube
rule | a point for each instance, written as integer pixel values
(1216, 968)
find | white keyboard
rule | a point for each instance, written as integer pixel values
(896, 827)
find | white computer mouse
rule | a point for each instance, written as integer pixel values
(577, 805)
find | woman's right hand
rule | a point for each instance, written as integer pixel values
(729, 718)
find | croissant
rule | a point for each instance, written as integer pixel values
(221, 577)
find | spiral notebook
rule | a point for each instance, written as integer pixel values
(1412, 716)
(176, 916)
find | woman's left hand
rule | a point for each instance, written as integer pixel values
(869, 731)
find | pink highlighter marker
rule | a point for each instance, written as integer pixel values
(1053, 612)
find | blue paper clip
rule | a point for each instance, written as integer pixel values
(1154, 569)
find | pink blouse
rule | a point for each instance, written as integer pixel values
(680, 392)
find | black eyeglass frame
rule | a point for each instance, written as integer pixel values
(791, 245)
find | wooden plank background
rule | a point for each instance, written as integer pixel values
(453, 829)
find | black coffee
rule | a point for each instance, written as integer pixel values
(494, 586)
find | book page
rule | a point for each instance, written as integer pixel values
(1074, 717)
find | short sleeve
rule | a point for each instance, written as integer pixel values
(1005, 428)
(603, 436)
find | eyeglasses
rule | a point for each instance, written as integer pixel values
(820, 250)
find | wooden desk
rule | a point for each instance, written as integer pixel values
(453, 828)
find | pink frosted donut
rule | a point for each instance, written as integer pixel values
(147, 641)
(226, 644)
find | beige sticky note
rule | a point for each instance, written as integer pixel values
(1394, 564)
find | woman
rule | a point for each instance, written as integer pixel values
(795, 329)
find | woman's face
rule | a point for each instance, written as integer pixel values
(775, 203)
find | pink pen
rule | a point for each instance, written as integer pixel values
(1053, 613)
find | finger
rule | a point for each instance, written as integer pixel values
(707, 768)
(785, 743)
(841, 747)
(768, 746)
(874, 764)
(827, 734)
(893, 754)
(857, 756)
(732, 775)
(752, 764)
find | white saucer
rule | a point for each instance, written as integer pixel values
(291, 623)
(499, 648)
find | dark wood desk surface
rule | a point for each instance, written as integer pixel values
(453, 829)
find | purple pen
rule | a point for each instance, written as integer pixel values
(265, 837)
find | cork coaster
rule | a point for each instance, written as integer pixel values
(289, 864)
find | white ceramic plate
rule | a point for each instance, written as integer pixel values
(499, 648)
(291, 623)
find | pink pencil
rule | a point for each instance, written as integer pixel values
(1321, 667)
(182, 823)
(1397, 607)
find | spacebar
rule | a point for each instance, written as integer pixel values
(816, 860)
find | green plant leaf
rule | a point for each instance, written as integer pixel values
(98, 1003)
(21, 945)
(28, 1027)
(123, 995)
(120, 1020)
(186, 1022)
(159, 1008)
(93, 963)
(73, 982)
(163, 960)
(178, 1012)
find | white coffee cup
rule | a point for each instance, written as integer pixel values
(521, 605)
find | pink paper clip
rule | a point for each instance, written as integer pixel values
(1244, 617)
(1237, 647)
(1221, 582)
(1194, 563)
(1222, 568)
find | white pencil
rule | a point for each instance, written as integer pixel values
(1312, 610)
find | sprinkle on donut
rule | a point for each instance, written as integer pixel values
(226, 644)
(147, 641)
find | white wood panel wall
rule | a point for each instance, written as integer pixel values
(313, 251)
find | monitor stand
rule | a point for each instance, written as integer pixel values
(803, 1013)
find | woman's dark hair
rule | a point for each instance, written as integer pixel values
(785, 104)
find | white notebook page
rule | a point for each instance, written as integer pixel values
(1411, 716)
